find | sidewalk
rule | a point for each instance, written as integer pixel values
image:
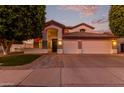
(61, 77)
(13, 77)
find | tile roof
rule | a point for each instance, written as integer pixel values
(55, 23)
(71, 27)
(87, 35)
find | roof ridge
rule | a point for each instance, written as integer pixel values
(85, 32)
(53, 21)
(71, 27)
(83, 24)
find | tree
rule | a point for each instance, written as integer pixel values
(116, 19)
(18, 23)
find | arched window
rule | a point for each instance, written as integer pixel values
(82, 30)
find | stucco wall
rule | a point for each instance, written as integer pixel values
(29, 43)
(17, 48)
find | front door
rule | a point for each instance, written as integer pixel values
(122, 47)
(54, 45)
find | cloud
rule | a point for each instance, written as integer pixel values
(86, 10)
(100, 21)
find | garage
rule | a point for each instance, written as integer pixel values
(89, 43)
(87, 46)
(96, 46)
(70, 47)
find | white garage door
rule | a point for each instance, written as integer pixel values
(96, 47)
(70, 47)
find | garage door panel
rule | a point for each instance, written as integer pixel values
(70, 46)
(88, 47)
(96, 47)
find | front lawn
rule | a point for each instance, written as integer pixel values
(16, 60)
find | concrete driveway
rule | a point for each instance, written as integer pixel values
(67, 70)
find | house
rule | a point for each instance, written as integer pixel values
(79, 39)
(120, 45)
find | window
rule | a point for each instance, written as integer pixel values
(66, 31)
(79, 44)
(82, 30)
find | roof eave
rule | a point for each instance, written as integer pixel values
(73, 37)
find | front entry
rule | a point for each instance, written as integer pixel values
(54, 45)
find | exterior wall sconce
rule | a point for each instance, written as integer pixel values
(59, 42)
(59, 48)
(114, 43)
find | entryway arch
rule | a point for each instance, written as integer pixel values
(52, 38)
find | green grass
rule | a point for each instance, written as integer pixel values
(16, 60)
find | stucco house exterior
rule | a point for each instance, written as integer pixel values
(79, 39)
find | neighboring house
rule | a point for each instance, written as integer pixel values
(120, 45)
(17, 48)
(79, 39)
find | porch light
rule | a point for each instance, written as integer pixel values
(60, 42)
(114, 42)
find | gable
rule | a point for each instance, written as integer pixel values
(57, 24)
(83, 24)
(80, 27)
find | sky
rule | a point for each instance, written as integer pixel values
(70, 15)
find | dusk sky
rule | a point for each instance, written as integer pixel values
(71, 15)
